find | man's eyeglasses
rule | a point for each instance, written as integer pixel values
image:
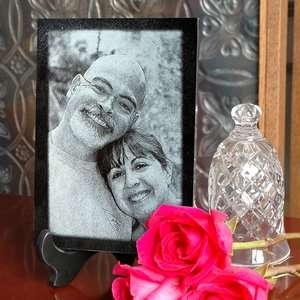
(121, 104)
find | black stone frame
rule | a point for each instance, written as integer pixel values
(189, 70)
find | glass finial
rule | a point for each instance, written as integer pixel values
(246, 114)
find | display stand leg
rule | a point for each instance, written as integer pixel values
(64, 265)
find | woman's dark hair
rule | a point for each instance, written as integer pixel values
(141, 145)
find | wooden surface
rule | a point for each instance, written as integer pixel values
(272, 71)
(293, 209)
(23, 276)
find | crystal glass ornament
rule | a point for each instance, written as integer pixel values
(246, 180)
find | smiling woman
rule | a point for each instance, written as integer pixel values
(139, 175)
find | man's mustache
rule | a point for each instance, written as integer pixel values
(98, 111)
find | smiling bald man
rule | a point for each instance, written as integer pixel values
(102, 105)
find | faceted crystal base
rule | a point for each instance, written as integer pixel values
(256, 257)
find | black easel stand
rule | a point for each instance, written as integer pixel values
(65, 265)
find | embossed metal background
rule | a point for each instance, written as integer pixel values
(228, 57)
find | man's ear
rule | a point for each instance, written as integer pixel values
(75, 83)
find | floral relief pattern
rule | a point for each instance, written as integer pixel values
(4, 131)
(2, 109)
(18, 64)
(229, 28)
(54, 9)
(216, 122)
(5, 179)
(128, 8)
(22, 152)
(2, 43)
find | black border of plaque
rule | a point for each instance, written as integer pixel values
(62, 252)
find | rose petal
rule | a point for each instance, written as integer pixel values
(167, 289)
(120, 289)
(121, 270)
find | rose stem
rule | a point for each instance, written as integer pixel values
(265, 243)
(291, 269)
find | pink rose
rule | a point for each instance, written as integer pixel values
(228, 284)
(140, 283)
(185, 241)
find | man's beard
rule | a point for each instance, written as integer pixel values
(97, 118)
